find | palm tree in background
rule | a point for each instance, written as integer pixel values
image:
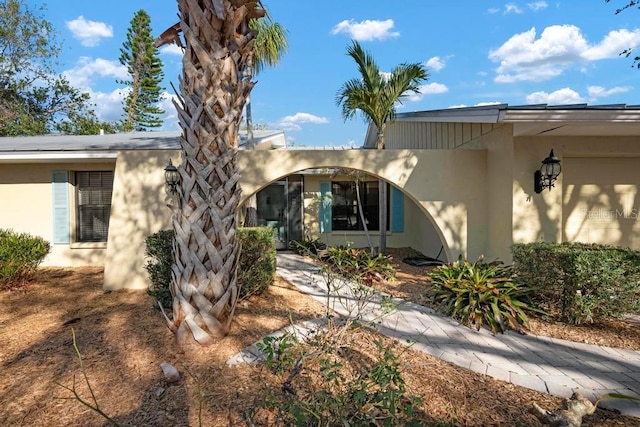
(214, 87)
(375, 95)
(270, 46)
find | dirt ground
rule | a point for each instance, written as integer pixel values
(123, 340)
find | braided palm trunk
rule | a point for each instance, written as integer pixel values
(218, 46)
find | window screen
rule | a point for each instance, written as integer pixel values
(93, 201)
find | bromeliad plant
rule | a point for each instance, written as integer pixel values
(481, 293)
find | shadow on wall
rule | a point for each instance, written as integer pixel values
(451, 201)
(138, 209)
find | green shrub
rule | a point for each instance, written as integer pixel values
(481, 293)
(307, 246)
(158, 251)
(359, 264)
(581, 282)
(256, 266)
(20, 256)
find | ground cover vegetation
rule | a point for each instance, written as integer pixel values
(345, 374)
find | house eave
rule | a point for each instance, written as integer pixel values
(57, 157)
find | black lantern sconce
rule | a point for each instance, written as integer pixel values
(547, 174)
(172, 178)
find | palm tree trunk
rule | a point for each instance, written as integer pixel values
(251, 205)
(362, 218)
(382, 201)
(218, 46)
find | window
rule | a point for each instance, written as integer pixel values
(344, 209)
(93, 205)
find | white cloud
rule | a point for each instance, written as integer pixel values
(293, 122)
(171, 49)
(108, 106)
(170, 116)
(491, 11)
(89, 32)
(427, 89)
(479, 104)
(538, 5)
(600, 92)
(612, 44)
(511, 8)
(486, 103)
(526, 58)
(366, 30)
(436, 63)
(433, 88)
(86, 68)
(562, 96)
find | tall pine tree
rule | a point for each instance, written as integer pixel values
(140, 56)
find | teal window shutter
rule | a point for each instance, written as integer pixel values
(397, 210)
(60, 187)
(325, 207)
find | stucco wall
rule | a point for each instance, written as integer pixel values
(432, 180)
(138, 209)
(599, 175)
(27, 198)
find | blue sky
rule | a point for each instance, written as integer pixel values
(477, 52)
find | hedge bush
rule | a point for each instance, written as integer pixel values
(256, 266)
(20, 255)
(582, 282)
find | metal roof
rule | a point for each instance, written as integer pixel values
(106, 146)
(534, 120)
(110, 142)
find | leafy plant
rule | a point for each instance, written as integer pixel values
(307, 246)
(349, 393)
(479, 293)
(360, 265)
(20, 256)
(278, 351)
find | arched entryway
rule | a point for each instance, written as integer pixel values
(428, 182)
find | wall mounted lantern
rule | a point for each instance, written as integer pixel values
(547, 174)
(172, 178)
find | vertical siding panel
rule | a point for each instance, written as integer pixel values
(61, 221)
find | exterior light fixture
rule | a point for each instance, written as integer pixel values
(171, 178)
(547, 174)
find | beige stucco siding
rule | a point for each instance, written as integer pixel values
(138, 209)
(598, 175)
(431, 179)
(601, 200)
(27, 196)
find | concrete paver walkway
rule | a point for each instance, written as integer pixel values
(544, 364)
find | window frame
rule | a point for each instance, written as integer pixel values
(77, 241)
(364, 190)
